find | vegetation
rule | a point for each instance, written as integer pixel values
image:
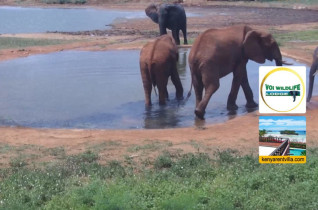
(12, 42)
(262, 132)
(189, 181)
(298, 145)
(289, 132)
(298, 36)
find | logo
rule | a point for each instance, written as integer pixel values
(282, 89)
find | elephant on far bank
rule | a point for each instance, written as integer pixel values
(171, 16)
(158, 62)
(218, 52)
(313, 72)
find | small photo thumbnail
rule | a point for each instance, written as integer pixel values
(282, 136)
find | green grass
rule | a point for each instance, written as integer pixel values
(12, 42)
(190, 181)
(153, 146)
(298, 36)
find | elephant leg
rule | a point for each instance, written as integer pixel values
(167, 94)
(177, 83)
(162, 88)
(162, 81)
(147, 84)
(313, 69)
(231, 101)
(209, 91)
(248, 92)
(198, 88)
(184, 32)
(175, 34)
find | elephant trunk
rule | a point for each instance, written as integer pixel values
(275, 54)
(279, 62)
(312, 74)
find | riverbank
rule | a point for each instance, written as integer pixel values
(240, 133)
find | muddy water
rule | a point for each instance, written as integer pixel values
(78, 89)
(36, 20)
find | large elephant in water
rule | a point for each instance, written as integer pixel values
(312, 73)
(158, 61)
(218, 52)
(171, 16)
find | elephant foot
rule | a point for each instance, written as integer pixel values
(251, 105)
(232, 107)
(162, 103)
(179, 98)
(199, 114)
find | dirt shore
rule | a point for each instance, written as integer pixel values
(240, 133)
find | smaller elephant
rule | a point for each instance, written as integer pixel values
(158, 61)
(171, 16)
(313, 72)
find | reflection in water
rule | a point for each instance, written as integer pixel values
(166, 116)
(182, 62)
(73, 89)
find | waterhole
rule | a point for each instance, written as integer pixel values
(82, 89)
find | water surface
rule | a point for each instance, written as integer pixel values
(38, 20)
(301, 137)
(79, 89)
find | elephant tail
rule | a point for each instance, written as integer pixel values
(189, 93)
(151, 66)
(152, 76)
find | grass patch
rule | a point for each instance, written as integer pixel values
(298, 36)
(106, 145)
(191, 181)
(153, 146)
(56, 152)
(12, 42)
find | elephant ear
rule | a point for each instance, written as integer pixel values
(152, 12)
(253, 48)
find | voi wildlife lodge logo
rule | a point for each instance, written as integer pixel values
(282, 90)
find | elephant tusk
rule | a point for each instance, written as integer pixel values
(286, 63)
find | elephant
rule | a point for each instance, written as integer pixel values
(313, 72)
(294, 94)
(218, 52)
(158, 61)
(171, 16)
